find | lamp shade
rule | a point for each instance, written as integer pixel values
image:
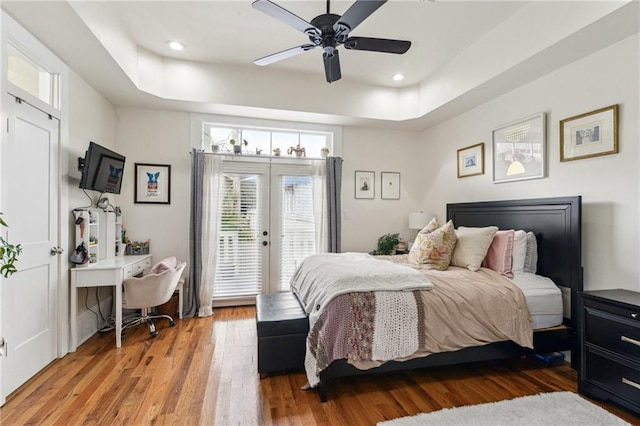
(419, 220)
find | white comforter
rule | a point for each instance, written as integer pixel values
(321, 277)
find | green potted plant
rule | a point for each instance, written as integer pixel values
(8, 254)
(386, 244)
(237, 149)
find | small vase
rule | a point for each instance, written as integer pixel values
(215, 148)
(237, 149)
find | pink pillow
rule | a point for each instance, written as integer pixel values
(167, 263)
(499, 256)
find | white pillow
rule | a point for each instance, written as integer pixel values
(519, 252)
(472, 246)
(531, 258)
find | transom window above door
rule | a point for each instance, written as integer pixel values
(225, 139)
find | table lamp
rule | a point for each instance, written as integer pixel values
(418, 221)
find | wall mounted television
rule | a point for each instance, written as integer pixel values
(102, 169)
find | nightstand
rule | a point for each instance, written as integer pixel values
(610, 346)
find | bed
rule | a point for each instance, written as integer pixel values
(556, 222)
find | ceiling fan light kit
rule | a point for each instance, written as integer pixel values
(329, 31)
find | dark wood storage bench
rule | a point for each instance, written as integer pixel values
(282, 326)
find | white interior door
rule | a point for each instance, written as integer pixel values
(28, 299)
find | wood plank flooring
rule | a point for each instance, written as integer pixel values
(203, 372)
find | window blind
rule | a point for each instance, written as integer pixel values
(297, 225)
(239, 267)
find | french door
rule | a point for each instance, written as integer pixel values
(271, 218)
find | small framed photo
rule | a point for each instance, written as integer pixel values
(152, 183)
(519, 150)
(390, 185)
(365, 185)
(471, 160)
(591, 134)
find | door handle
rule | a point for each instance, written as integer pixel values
(265, 243)
(56, 250)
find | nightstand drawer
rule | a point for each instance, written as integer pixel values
(620, 379)
(612, 332)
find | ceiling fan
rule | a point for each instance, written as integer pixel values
(330, 31)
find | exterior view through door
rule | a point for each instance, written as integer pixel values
(271, 217)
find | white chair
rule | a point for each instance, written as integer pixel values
(150, 291)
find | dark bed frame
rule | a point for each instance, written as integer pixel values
(557, 223)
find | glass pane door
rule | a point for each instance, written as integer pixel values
(240, 269)
(293, 194)
(267, 226)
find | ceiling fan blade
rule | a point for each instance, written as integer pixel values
(283, 15)
(332, 66)
(358, 12)
(377, 44)
(283, 55)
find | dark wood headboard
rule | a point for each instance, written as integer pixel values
(557, 223)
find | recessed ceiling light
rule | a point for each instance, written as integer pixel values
(175, 45)
(398, 77)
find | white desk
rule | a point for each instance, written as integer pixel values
(108, 272)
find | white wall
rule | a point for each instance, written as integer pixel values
(156, 137)
(91, 118)
(364, 220)
(609, 185)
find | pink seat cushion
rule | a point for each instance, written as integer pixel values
(167, 263)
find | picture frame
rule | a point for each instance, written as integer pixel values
(152, 183)
(390, 185)
(519, 149)
(471, 160)
(365, 185)
(591, 134)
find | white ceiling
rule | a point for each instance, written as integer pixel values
(234, 33)
(228, 35)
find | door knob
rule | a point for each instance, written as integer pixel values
(264, 243)
(56, 250)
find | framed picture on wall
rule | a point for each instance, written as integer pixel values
(390, 188)
(519, 150)
(471, 160)
(152, 183)
(588, 135)
(365, 185)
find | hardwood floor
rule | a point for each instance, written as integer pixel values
(203, 371)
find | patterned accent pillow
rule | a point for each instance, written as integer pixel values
(435, 248)
(431, 226)
(531, 258)
(472, 246)
(499, 256)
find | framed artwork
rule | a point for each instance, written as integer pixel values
(471, 160)
(152, 183)
(390, 185)
(591, 134)
(365, 185)
(519, 150)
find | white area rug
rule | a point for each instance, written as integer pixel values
(556, 408)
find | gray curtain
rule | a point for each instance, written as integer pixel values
(334, 184)
(191, 301)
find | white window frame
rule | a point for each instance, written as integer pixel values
(199, 120)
